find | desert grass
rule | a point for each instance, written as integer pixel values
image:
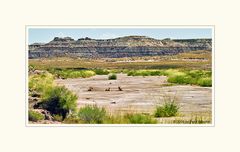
(187, 68)
(35, 116)
(71, 73)
(92, 114)
(168, 109)
(179, 61)
(194, 77)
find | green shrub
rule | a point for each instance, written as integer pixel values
(101, 71)
(140, 119)
(59, 101)
(197, 77)
(157, 73)
(72, 120)
(168, 72)
(130, 73)
(88, 73)
(31, 68)
(77, 74)
(41, 82)
(115, 119)
(112, 77)
(181, 79)
(35, 116)
(173, 72)
(205, 82)
(92, 114)
(168, 109)
(142, 73)
(58, 117)
(199, 73)
(72, 73)
(119, 71)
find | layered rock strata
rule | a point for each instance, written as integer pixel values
(128, 46)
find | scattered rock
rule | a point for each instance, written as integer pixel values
(108, 89)
(33, 99)
(35, 94)
(119, 88)
(90, 89)
(38, 72)
(45, 113)
(45, 122)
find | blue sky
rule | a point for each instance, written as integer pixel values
(44, 35)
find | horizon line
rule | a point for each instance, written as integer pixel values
(194, 38)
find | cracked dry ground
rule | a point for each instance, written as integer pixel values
(139, 94)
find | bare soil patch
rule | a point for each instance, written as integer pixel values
(138, 93)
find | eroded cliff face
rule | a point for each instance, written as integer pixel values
(114, 48)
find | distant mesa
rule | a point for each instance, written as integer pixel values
(65, 39)
(127, 46)
(86, 38)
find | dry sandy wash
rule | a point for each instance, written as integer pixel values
(139, 94)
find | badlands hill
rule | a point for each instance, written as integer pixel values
(127, 46)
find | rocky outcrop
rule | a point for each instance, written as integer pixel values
(114, 48)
